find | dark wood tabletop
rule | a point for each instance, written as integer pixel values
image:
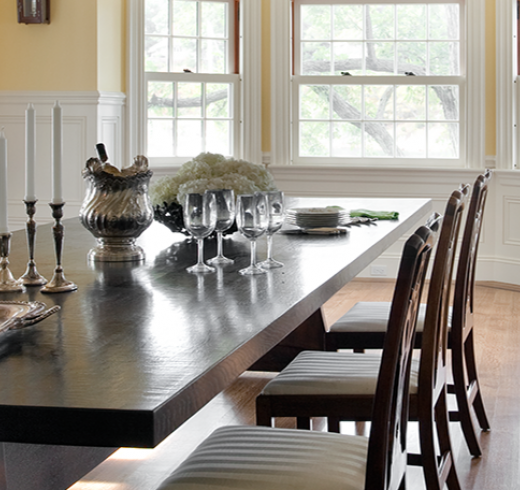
(140, 347)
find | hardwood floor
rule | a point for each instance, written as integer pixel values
(498, 352)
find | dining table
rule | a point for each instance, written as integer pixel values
(141, 346)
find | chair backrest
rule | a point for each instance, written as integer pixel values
(435, 333)
(462, 316)
(386, 462)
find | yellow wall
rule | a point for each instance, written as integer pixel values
(79, 50)
(111, 55)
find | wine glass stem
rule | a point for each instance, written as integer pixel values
(269, 246)
(200, 251)
(253, 253)
(219, 244)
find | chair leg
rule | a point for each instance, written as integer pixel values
(460, 382)
(471, 368)
(447, 463)
(263, 412)
(303, 423)
(333, 424)
(428, 454)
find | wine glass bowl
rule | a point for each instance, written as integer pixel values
(252, 221)
(200, 218)
(225, 206)
(275, 207)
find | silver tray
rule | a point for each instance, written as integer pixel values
(18, 314)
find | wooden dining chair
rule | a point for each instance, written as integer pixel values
(364, 325)
(260, 458)
(340, 385)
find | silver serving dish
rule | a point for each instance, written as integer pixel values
(18, 314)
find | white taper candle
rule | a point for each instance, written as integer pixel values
(3, 183)
(30, 152)
(57, 196)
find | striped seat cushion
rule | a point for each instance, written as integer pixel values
(262, 458)
(332, 373)
(367, 316)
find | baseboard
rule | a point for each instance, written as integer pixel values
(499, 285)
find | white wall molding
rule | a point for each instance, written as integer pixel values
(506, 93)
(499, 251)
(281, 64)
(476, 68)
(136, 107)
(251, 78)
(88, 118)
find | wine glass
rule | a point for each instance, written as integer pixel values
(200, 218)
(252, 221)
(225, 203)
(276, 213)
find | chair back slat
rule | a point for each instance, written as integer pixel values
(387, 445)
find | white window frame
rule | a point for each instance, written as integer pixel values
(472, 154)
(508, 86)
(247, 103)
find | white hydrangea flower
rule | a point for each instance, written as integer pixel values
(211, 171)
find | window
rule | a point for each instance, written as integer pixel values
(379, 81)
(191, 79)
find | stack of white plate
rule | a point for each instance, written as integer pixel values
(329, 216)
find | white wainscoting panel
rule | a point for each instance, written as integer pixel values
(499, 248)
(88, 118)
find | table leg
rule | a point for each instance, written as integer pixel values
(309, 335)
(31, 466)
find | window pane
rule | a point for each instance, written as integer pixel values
(217, 100)
(379, 140)
(218, 137)
(411, 57)
(214, 17)
(316, 58)
(160, 137)
(213, 56)
(156, 17)
(184, 54)
(379, 102)
(348, 22)
(380, 59)
(444, 58)
(380, 22)
(444, 21)
(346, 140)
(443, 102)
(314, 102)
(348, 57)
(184, 18)
(160, 99)
(189, 138)
(189, 100)
(314, 139)
(411, 22)
(316, 22)
(156, 54)
(410, 102)
(346, 102)
(411, 139)
(443, 140)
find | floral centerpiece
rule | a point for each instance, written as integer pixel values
(207, 171)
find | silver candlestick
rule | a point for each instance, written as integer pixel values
(7, 281)
(31, 276)
(58, 283)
